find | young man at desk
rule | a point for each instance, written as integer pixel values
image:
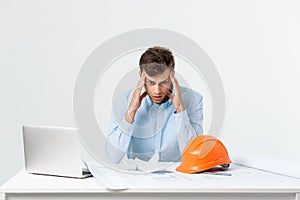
(157, 116)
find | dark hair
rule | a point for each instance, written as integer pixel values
(156, 60)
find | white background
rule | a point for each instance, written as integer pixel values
(255, 46)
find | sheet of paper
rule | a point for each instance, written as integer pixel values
(145, 166)
(116, 180)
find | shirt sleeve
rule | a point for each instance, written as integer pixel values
(188, 124)
(119, 137)
(118, 140)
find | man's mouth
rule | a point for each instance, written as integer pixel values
(156, 97)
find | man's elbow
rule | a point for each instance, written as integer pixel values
(113, 154)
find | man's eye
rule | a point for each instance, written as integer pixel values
(150, 82)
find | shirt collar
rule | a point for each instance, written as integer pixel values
(164, 105)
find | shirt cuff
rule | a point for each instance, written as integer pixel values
(180, 117)
(126, 127)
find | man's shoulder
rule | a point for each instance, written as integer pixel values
(190, 97)
(189, 91)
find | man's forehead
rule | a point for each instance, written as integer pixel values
(160, 77)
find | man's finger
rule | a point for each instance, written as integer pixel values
(141, 81)
(175, 84)
(143, 96)
(170, 95)
(143, 77)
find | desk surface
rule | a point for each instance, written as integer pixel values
(243, 180)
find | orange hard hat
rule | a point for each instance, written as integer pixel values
(202, 153)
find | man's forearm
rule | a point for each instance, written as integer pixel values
(129, 117)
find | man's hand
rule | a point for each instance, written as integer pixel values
(177, 98)
(136, 99)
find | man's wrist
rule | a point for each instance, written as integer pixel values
(130, 116)
(180, 109)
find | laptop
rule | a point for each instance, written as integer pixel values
(53, 151)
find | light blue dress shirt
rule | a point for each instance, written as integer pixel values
(156, 128)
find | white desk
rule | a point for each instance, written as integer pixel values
(245, 183)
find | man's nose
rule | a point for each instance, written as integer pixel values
(157, 88)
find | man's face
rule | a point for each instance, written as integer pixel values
(158, 86)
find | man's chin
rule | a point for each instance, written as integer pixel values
(156, 101)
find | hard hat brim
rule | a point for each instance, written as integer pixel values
(195, 169)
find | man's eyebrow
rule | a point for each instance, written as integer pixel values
(165, 80)
(149, 79)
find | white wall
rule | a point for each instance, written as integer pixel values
(255, 46)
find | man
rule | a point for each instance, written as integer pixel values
(158, 116)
